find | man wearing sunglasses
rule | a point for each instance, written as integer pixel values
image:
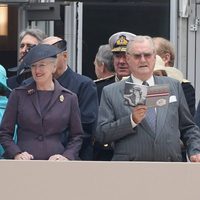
(86, 91)
(142, 133)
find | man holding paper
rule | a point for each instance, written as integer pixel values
(144, 133)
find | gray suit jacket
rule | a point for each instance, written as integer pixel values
(174, 122)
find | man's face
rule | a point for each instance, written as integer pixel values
(141, 60)
(120, 65)
(25, 44)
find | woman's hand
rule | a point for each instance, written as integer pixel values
(23, 156)
(58, 157)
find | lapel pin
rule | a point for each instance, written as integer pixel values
(30, 91)
(61, 98)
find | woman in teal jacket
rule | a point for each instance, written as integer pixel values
(3, 99)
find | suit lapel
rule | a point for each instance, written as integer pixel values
(55, 97)
(147, 128)
(31, 91)
(161, 116)
(161, 113)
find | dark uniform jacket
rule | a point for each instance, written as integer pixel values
(42, 135)
(86, 91)
(100, 83)
(103, 151)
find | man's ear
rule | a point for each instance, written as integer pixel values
(103, 67)
(166, 58)
(65, 55)
(54, 69)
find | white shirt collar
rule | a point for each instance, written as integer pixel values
(150, 81)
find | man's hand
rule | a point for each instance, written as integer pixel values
(58, 157)
(195, 158)
(138, 113)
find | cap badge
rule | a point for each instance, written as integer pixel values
(61, 98)
(122, 41)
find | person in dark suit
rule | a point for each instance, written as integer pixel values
(86, 91)
(47, 115)
(140, 133)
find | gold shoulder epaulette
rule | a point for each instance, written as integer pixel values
(103, 79)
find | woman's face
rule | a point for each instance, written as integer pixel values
(42, 71)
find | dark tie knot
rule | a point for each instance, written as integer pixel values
(145, 83)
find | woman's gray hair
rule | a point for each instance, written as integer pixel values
(105, 55)
(37, 33)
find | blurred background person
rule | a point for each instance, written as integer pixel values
(105, 73)
(43, 133)
(104, 68)
(165, 50)
(159, 69)
(27, 39)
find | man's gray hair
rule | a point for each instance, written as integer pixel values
(138, 39)
(35, 32)
(105, 55)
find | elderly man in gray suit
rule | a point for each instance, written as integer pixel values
(129, 128)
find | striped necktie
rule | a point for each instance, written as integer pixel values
(151, 114)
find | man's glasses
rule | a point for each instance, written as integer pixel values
(138, 56)
(62, 44)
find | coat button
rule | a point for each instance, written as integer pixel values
(40, 138)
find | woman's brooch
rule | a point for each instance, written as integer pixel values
(31, 91)
(61, 98)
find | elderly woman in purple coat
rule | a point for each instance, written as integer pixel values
(46, 114)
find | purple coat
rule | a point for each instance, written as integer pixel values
(58, 131)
